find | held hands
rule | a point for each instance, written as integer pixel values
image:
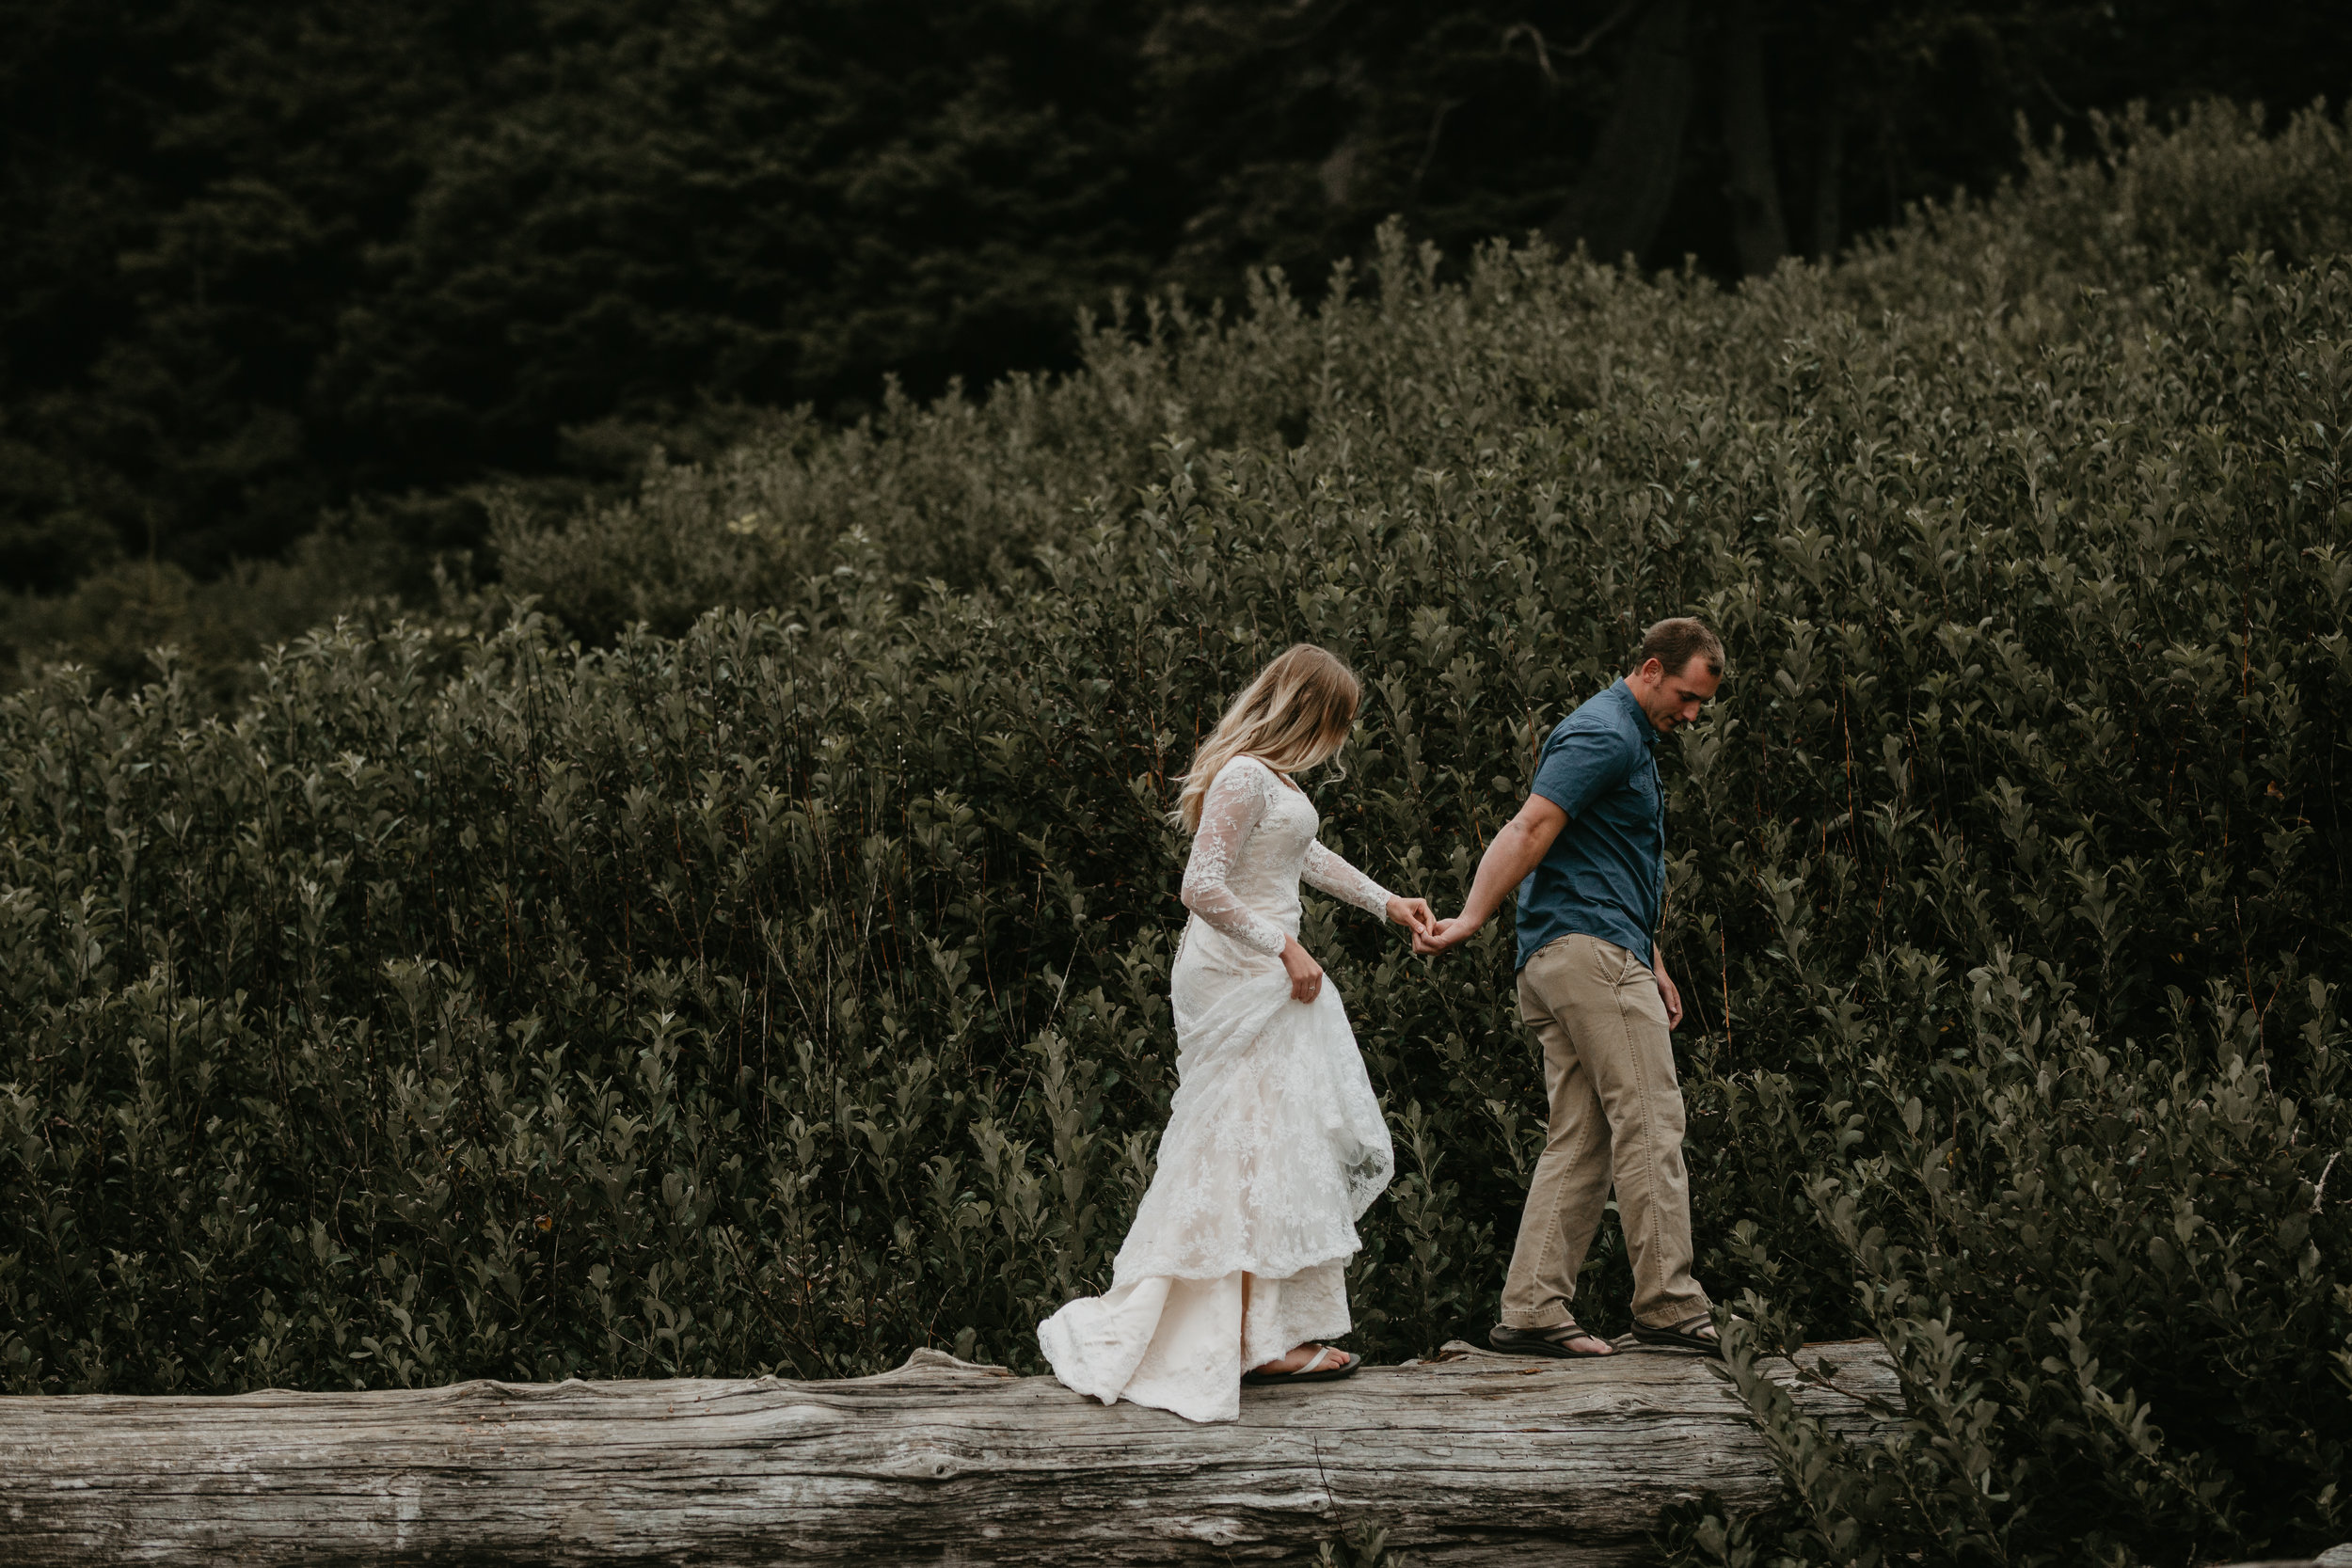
(1307, 976)
(1415, 916)
(1444, 934)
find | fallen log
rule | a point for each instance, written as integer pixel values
(1470, 1458)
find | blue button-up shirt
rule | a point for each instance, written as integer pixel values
(1605, 874)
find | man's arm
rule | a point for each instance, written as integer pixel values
(1522, 843)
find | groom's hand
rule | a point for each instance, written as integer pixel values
(1667, 994)
(1445, 934)
(1516, 851)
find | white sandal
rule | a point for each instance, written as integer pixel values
(1313, 1372)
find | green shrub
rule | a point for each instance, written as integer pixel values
(968, 491)
(113, 620)
(790, 992)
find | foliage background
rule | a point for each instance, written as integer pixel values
(325, 270)
(747, 951)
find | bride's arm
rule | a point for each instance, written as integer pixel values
(1327, 872)
(1228, 814)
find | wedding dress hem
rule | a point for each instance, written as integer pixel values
(1181, 1345)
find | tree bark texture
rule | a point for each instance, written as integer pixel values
(1757, 231)
(1622, 198)
(1473, 1458)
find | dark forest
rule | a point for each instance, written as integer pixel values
(324, 263)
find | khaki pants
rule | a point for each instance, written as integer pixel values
(1617, 1116)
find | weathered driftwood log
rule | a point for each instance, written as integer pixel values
(1470, 1459)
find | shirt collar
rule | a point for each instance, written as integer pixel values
(1642, 726)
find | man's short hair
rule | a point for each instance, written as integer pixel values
(1675, 641)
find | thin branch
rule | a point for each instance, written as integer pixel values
(1583, 46)
(2051, 93)
(1328, 17)
(2320, 1191)
(1429, 148)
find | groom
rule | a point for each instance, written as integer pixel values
(1587, 854)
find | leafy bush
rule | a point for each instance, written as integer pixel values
(969, 490)
(114, 620)
(790, 992)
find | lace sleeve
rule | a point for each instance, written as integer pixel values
(1228, 814)
(1325, 872)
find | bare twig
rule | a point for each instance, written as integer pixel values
(1543, 55)
(2319, 1190)
(2051, 93)
(1429, 149)
(1328, 18)
(1582, 47)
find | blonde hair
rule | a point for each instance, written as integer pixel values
(1295, 715)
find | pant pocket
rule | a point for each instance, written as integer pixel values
(1640, 990)
(1609, 961)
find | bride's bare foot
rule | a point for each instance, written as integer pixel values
(1298, 1360)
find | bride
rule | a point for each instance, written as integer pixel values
(1274, 1145)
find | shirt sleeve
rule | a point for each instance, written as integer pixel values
(1583, 765)
(1327, 872)
(1229, 812)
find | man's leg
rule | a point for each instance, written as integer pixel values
(1571, 1185)
(1609, 1001)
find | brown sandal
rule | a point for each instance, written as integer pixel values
(1553, 1341)
(1684, 1335)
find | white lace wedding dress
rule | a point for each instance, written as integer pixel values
(1274, 1145)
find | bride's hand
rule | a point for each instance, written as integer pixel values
(1305, 974)
(1414, 914)
(1444, 934)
